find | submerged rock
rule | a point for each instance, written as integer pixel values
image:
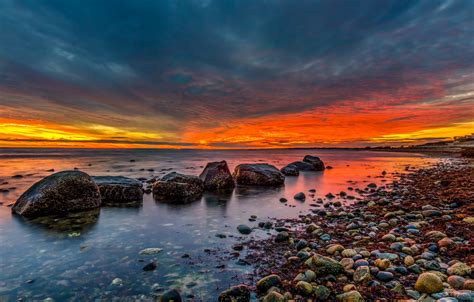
(268, 282)
(58, 193)
(244, 229)
(258, 175)
(238, 293)
(290, 170)
(178, 187)
(315, 161)
(171, 296)
(119, 189)
(302, 166)
(216, 176)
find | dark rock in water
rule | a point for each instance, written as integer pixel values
(119, 189)
(171, 296)
(216, 176)
(268, 282)
(150, 266)
(315, 161)
(300, 196)
(282, 237)
(61, 192)
(17, 176)
(178, 187)
(238, 293)
(244, 229)
(283, 199)
(258, 175)
(290, 170)
(302, 166)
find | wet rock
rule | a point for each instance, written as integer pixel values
(176, 187)
(150, 251)
(290, 170)
(238, 293)
(302, 166)
(469, 284)
(435, 235)
(283, 199)
(264, 284)
(171, 296)
(282, 237)
(117, 282)
(362, 274)
(273, 296)
(217, 176)
(385, 276)
(321, 293)
(389, 237)
(352, 296)
(62, 192)
(306, 276)
(382, 263)
(258, 175)
(348, 253)
(315, 161)
(459, 269)
(301, 244)
(456, 282)
(428, 283)
(408, 261)
(333, 248)
(244, 229)
(119, 189)
(323, 266)
(304, 288)
(300, 196)
(150, 266)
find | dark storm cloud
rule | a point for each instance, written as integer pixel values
(207, 61)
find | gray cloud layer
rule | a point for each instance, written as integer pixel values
(168, 64)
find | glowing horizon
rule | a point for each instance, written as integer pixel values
(229, 74)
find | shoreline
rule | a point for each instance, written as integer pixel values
(419, 223)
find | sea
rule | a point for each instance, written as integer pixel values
(77, 257)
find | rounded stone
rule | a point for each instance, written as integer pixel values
(264, 284)
(456, 282)
(382, 263)
(428, 283)
(304, 288)
(459, 269)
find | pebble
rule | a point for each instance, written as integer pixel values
(428, 283)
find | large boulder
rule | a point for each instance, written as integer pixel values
(258, 175)
(62, 192)
(290, 170)
(216, 176)
(315, 161)
(178, 187)
(119, 189)
(302, 166)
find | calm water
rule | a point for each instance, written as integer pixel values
(77, 258)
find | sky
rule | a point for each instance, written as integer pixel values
(235, 74)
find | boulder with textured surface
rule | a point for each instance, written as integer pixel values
(177, 187)
(258, 175)
(290, 170)
(217, 176)
(238, 293)
(119, 189)
(315, 161)
(62, 192)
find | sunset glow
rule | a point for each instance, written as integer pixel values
(364, 75)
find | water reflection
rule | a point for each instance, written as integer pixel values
(105, 243)
(72, 224)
